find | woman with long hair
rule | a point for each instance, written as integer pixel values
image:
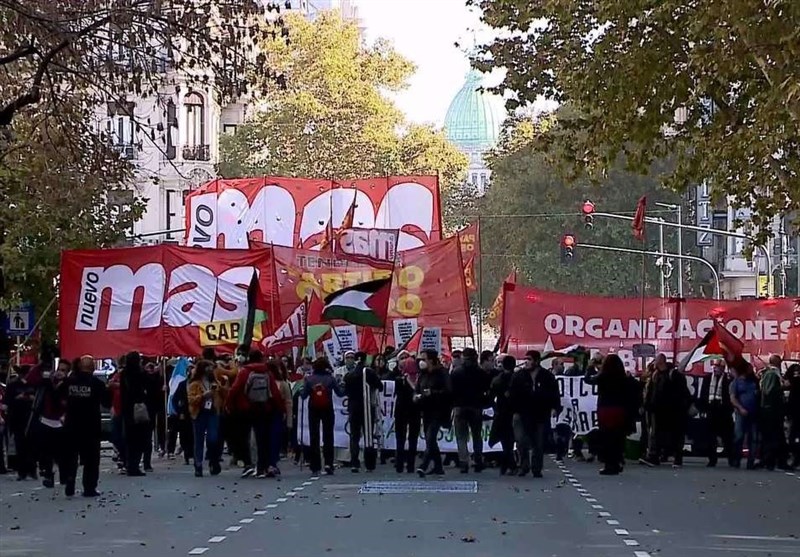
(205, 404)
(136, 419)
(613, 394)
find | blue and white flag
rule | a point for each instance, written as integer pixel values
(178, 377)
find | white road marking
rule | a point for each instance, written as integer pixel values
(641, 554)
(757, 538)
(290, 494)
(233, 528)
(621, 532)
(16, 494)
(299, 489)
(314, 478)
(612, 522)
(38, 488)
(272, 506)
(216, 539)
(198, 551)
(282, 500)
(604, 513)
(631, 542)
(598, 507)
(591, 500)
(246, 520)
(259, 513)
(307, 483)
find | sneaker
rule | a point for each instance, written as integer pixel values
(421, 472)
(92, 493)
(248, 471)
(329, 470)
(355, 469)
(198, 472)
(49, 483)
(262, 475)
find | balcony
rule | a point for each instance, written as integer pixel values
(127, 151)
(196, 152)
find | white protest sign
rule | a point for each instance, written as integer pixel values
(346, 338)
(404, 329)
(431, 339)
(579, 404)
(331, 350)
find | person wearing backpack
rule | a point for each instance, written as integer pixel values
(258, 394)
(318, 389)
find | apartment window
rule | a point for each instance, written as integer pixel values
(121, 128)
(229, 129)
(195, 120)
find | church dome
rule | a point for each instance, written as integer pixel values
(473, 118)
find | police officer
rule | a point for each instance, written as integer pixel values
(85, 395)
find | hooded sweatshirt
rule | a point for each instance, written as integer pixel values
(237, 398)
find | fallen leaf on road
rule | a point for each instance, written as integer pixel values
(411, 536)
(468, 539)
(14, 528)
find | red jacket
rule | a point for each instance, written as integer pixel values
(237, 398)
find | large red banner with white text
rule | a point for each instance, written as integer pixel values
(296, 212)
(160, 300)
(537, 319)
(428, 282)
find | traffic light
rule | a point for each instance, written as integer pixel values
(568, 244)
(588, 214)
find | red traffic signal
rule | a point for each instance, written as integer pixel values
(568, 243)
(588, 213)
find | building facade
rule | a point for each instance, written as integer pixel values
(173, 139)
(473, 123)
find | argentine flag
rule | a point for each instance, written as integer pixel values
(178, 377)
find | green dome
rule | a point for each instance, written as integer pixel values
(473, 119)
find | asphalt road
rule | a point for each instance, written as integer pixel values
(571, 512)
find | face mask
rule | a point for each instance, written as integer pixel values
(423, 364)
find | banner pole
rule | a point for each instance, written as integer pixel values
(644, 285)
(480, 289)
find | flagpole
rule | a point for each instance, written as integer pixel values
(643, 286)
(479, 278)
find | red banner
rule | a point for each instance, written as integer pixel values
(160, 300)
(470, 240)
(295, 212)
(428, 282)
(537, 319)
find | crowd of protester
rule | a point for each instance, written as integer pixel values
(53, 417)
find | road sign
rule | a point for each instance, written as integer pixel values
(20, 321)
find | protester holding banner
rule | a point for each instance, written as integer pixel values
(432, 393)
(534, 397)
(358, 406)
(319, 388)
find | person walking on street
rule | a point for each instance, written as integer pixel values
(20, 394)
(470, 385)
(86, 396)
(772, 407)
(117, 421)
(407, 417)
(714, 402)
(49, 412)
(136, 417)
(156, 388)
(745, 399)
(358, 407)
(792, 378)
(205, 404)
(502, 425)
(613, 396)
(319, 388)
(432, 394)
(181, 423)
(534, 399)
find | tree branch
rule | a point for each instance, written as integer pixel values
(21, 52)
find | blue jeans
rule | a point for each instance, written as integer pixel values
(745, 426)
(206, 429)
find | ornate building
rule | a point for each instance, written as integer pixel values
(473, 123)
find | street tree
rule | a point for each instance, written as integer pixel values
(333, 119)
(524, 183)
(713, 87)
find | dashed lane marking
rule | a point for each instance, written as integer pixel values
(233, 528)
(282, 500)
(246, 520)
(217, 539)
(641, 554)
(631, 543)
(621, 532)
(604, 514)
(259, 513)
(198, 551)
(612, 522)
(271, 506)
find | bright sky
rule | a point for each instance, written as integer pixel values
(425, 32)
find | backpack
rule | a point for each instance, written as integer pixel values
(320, 397)
(257, 388)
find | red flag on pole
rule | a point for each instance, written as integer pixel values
(367, 343)
(638, 218)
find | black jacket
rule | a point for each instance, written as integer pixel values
(19, 409)
(154, 386)
(354, 387)
(703, 403)
(469, 384)
(403, 394)
(433, 387)
(86, 394)
(133, 390)
(534, 401)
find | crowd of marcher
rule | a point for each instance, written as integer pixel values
(248, 406)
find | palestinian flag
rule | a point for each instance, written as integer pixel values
(365, 304)
(315, 327)
(255, 316)
(719, 342)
